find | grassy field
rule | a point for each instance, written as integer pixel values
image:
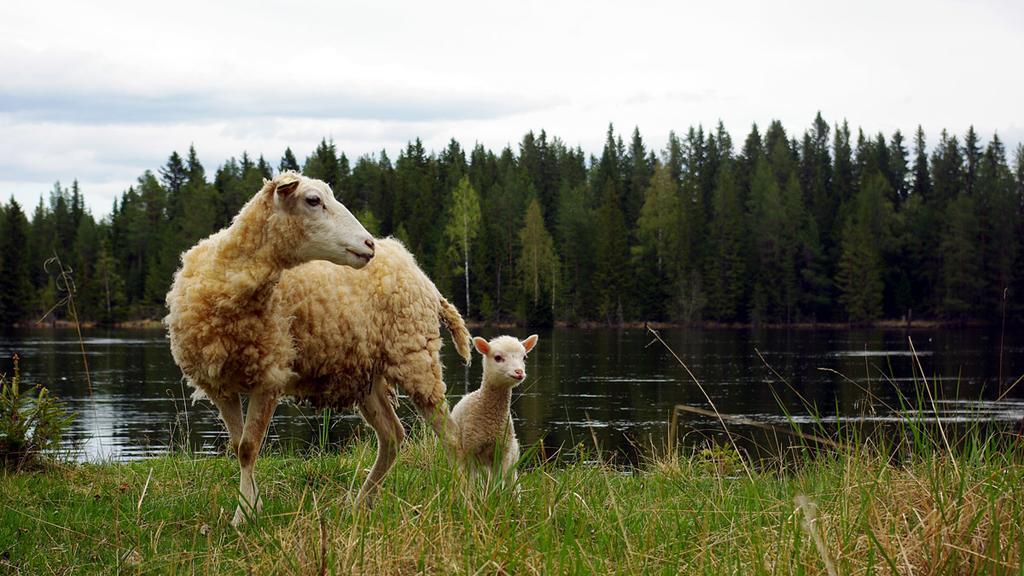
(863, 510)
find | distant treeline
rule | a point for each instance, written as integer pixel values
(825, 227)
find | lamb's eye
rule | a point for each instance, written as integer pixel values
(313, 201)
(499, 358)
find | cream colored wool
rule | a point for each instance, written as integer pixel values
(227, 333)
(363, 335)
(484, 416)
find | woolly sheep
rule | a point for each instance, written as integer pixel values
(362, 335)
(483, 417)
(227, 333)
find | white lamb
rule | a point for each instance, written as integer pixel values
(484, 417)
(363, 335)
(228, 334)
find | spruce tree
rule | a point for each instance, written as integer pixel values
(288, 161)
(612, 256)
(726, 268)
(16, 294)
(961, 259)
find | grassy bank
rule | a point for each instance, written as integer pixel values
(854, 511)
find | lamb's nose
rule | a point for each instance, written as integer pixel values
(519, 374)
(369, 243)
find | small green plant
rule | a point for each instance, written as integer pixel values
(31, 421)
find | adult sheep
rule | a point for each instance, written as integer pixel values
(361, 336)
(228, 334)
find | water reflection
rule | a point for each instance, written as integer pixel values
(605, 386)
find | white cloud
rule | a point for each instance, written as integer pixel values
(103, 91)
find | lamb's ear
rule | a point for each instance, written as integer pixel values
(530, 342)
(481, 345)
(286, 184)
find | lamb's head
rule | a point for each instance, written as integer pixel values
(504, 359)
(310, 224)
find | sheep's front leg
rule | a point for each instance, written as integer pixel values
(257, 420)
(230, 408)
(379, 412)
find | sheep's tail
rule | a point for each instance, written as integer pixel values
(460, 335)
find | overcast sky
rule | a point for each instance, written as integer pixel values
(101, 91)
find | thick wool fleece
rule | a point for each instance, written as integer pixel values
(352, 326)
(226, 333)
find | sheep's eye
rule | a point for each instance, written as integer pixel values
(499, 358)
(313, 201)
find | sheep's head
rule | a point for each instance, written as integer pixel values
(504, 359)
(313, 225)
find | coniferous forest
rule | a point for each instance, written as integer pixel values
(827, 226)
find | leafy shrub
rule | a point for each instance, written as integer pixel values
(31, 421)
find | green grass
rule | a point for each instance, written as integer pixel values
(701, 513)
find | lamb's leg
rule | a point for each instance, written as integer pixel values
(257, 420)
(379, 412)
(230, 408)
(438, 416)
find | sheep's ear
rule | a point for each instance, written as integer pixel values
(286, 184)
(530, 342)
(481, 345)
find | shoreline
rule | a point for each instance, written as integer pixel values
(890, 324)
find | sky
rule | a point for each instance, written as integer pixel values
(102, 91)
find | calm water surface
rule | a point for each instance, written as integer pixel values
(608, 386)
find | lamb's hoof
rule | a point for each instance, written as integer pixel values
(239, 518)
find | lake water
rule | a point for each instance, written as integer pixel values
(612, 387)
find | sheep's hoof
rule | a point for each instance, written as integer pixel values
(242, 515)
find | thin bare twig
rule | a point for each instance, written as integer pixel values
(707, 397)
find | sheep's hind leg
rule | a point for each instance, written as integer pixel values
(378, 411)
(257, 420)
(421, 379)
(438, 416)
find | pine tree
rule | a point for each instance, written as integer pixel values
(769, 258)
(727, 264)
(922, 186)
(288, 161)
(947, 170)
(575, 234)
(611, 255)
(323, 164)
(898, 167)
(998, 223)
(16, 294)
(961, 262)
(859, 276)
(972, 158)
(866, 238)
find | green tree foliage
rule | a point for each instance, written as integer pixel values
(461, 231)
(727, 264)
(539, 268)
(961, 262)
(867, 236)
(658, 230)
(821, 227)
(16, 294)
(612, 255)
